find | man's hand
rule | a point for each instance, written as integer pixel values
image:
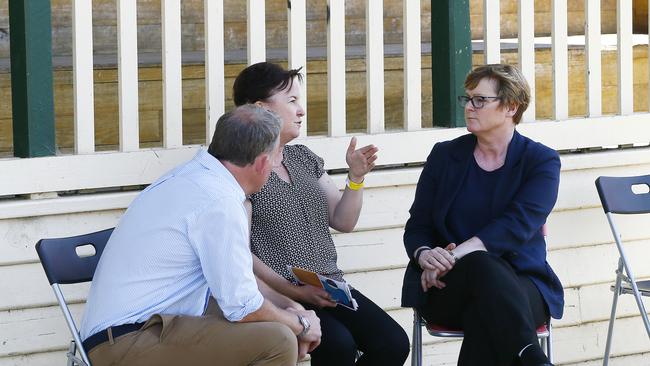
(311, 340)
(313, 295)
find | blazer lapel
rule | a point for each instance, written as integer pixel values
(453, 177)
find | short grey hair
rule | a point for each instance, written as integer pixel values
(244, 134)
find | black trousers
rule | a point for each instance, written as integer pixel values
(497, 309)
(368, 329)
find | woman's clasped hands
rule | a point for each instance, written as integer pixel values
(435, 263)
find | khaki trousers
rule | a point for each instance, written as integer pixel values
(204, 340)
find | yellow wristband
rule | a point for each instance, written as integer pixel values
(352, 185)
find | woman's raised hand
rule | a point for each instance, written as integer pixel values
(361, 160)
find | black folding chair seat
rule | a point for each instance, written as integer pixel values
(624, 196)
(63, 264)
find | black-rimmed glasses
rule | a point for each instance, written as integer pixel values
(478, 101)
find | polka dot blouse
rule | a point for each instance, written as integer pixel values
(290, 223)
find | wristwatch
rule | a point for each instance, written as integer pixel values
(305, 325)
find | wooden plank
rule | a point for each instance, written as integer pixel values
(336, 122)
(577, 189)
(109, 201)
(297, 34)
(625, 70)
(623, 360)
(256, 26)
(562, 233)
(560, 61)
(62, 173)
(214, 65)
(376, 250)
(33, 289)
(629, 338)
(593, 59)
(20, 235)
(596, 303)
(412, 67)
(601, 134)
(602, 262)
(605, 159)
(82, 60)
(172, 79)
(386, 207)
(526, 52)
(492, 31)
(127, 58)
(375, 66)
(36, 359)
(27, 331)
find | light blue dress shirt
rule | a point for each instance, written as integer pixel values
(184, 238)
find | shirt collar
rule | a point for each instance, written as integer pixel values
(213, 164)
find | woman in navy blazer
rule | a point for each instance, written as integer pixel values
(474, 236)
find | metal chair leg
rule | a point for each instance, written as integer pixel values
(416, 343)
(73, 360)
(546, 343)
(549, 342)
(612, 317)
(71, 352)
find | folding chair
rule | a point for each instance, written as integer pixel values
(544, 335)
(63, 265)
(624, 195)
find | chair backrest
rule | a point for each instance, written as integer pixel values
(617, 196)
(61, 262)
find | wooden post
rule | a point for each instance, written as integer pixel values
(30, 22)
(451, 59)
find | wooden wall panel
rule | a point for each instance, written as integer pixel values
(32, 330)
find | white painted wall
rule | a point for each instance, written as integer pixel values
(33, 332)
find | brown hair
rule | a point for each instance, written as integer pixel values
(512, 88)
(260, 81)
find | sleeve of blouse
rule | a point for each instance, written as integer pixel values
(316, 163)
(527, 211)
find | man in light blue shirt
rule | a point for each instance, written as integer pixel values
(175, 283)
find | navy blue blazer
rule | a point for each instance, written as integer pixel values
(523, 199)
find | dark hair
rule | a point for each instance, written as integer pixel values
(260, 81)
(244, 134)
(512, 87)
